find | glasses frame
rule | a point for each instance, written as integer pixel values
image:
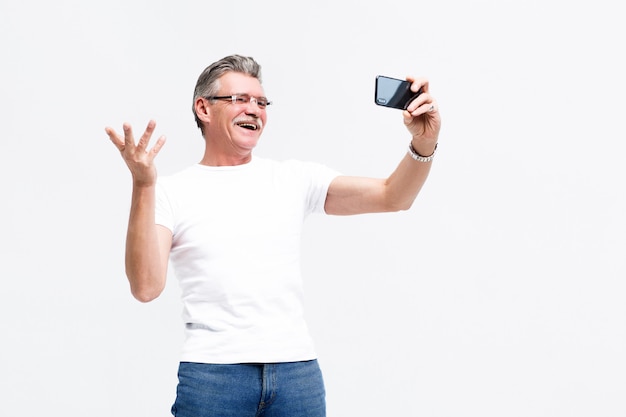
(235, 99)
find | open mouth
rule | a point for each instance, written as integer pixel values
(248, 125)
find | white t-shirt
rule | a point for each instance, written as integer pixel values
(236, 252)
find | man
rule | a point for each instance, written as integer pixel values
(230, 226)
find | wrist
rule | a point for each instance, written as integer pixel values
(424, 146)
(144, 184)
(422, 157)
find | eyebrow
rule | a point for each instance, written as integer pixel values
(249, 95)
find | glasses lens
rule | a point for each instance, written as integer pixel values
(241, 99)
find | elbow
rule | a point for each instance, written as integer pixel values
(408, 203)
(394, 200)
(145, 295)
(398, 205)
(405, 207)
(145, 292)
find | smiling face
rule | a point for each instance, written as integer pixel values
(232, 129)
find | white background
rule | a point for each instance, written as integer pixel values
(500, 293)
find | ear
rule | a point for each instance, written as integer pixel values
(202, 109)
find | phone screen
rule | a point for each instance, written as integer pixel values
(392, 92)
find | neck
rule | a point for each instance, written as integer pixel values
(212, 161)
(218, 157)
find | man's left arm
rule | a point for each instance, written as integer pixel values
(358, 195)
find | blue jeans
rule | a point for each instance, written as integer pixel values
(291, 389)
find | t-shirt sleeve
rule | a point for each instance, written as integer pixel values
(164, 215)
(320, 178)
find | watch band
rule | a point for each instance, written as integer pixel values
(421, 158)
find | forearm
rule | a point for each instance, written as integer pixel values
(145, 268)
(405, 183)
(356, 195)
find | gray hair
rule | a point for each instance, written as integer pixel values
(208, 82)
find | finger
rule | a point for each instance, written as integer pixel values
(425, 108)
(147, 134)
(428, 110)
(417, 83)
(114, 137)
(129, 140)
(157, 146)
(418, 102)
(407, 117)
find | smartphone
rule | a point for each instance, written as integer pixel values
(394, 93)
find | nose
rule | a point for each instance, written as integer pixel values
(256, 102)
(253, 110)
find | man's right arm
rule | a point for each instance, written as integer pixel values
(147, 247)
(147, 244)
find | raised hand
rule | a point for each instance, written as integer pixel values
(422, 117)
(138, 157)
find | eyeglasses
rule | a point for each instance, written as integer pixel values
(262, 102)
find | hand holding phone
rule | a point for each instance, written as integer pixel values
(394, 93)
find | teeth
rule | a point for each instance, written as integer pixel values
(248, 126)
